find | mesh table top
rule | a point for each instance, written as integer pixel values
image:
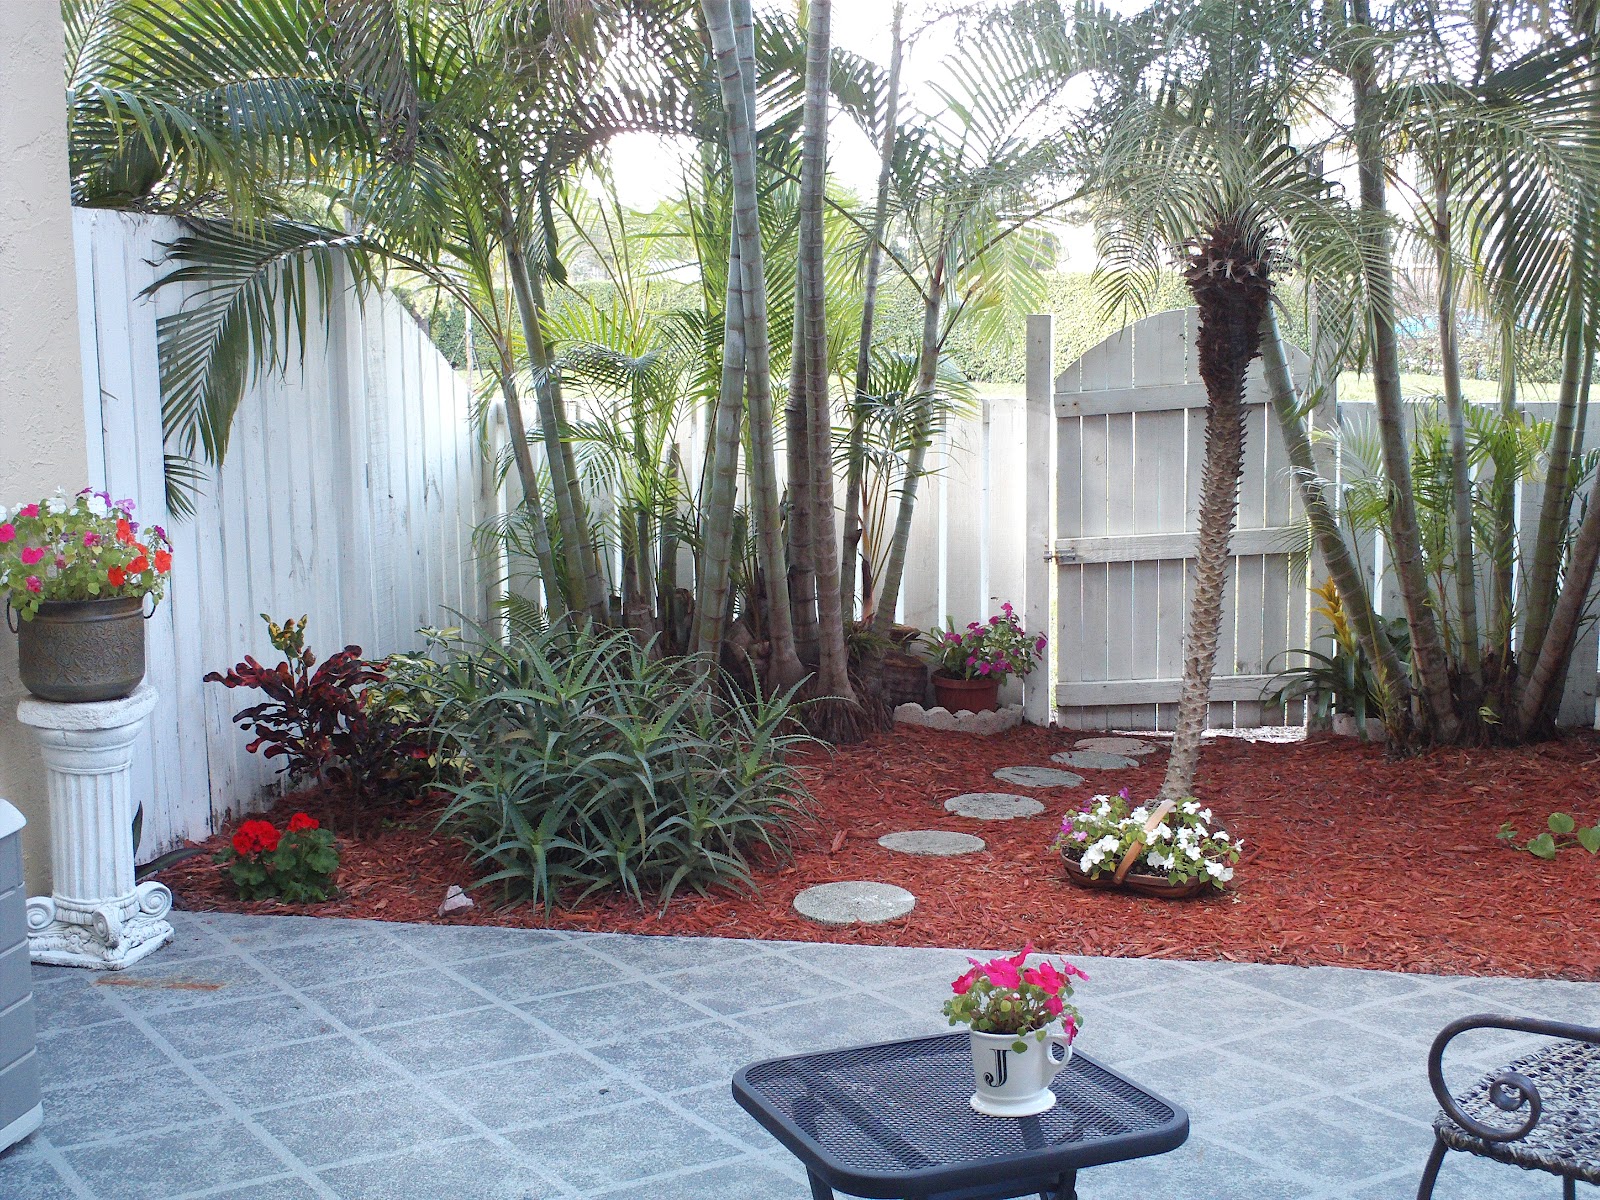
(898, 1112)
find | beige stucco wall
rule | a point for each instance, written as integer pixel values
(42, 443)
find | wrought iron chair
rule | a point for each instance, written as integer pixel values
(1559, 1087)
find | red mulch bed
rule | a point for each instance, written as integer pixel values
(1351, 860)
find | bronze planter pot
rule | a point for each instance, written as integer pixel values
(75, 651)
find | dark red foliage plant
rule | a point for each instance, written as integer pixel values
(317, 718)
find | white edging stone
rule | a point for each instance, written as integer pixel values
(983, 724)
(857, 901)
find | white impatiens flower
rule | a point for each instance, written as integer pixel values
(2, 512)
(1191, 808)
(1205, 814)
(1193, 852)
(1106, 844)
(97, 505)
(56, 505)
(1239, 844)
(1139, 815)
(1221, 835)
(1227, 874)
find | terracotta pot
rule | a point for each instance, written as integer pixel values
(971, 695)
(1142, 883)
(76, 651)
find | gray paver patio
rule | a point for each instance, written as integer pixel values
(487, 1064)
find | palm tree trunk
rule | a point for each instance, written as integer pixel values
(1504, 551)
(574, 533)
(887, 591)
(1354, 594)
(1377, 261)
(733, 42)
(835, 715)
(1466, 575)
(1541, 687)
(857, 465)
(800, 535)
(716, 550)
(1556, 510)
(528, 476)
(1228, 277)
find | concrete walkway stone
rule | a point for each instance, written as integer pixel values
(854, 902)
(1037, 777)
(1301, 1084)
(940, 843)
(1117, 745)
(1094, 760)
(993, 806)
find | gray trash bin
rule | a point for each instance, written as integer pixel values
(20, 1108)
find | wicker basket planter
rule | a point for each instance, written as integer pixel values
(1139, 882)
(904, 678)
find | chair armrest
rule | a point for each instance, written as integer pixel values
(1509, 1091)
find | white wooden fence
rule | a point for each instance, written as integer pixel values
(349, 494)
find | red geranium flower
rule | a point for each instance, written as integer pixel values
(163, 561)
(302, 821)
(117, 576)
(254, 837)
(139, 565)
(124, 532)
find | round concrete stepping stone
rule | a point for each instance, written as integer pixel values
(1117, 745)
(1094, 760)
(852, 902)
(1037, 777)
(993, 806)
(938, 842)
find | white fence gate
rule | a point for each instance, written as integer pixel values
(349, 494)
(1129, 420)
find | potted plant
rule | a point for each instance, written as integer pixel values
(1170, 851)
(75, 572)
(970, 667)
(1016, 1015)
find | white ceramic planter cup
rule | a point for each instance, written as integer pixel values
(1012, 1082)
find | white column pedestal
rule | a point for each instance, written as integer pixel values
(96, 916)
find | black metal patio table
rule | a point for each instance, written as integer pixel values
(892, 1121)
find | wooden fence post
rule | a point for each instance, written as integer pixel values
(1038, 564)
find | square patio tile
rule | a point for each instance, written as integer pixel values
(538, 972)
(284, 1187)
(1197, 1170)
(379, 1121)
(1333, 1054)
(1552, 999)
(1330, 1139)
(30, 1175)
(745, 1180)
(153, 986)
(459, 943)
(439, 1044)
(754, 984)
(694, 1055)
(241, 1024)
(283, 1074)
(609, 1013)
(646, 1140)
(716, 1105)
(834, 1022)
(875, 966)
(1330, 989)
(651, 955)
(251, 931)
(61, 1007)
(309, 964)
(1215, 1086)
(1227, 1011)
(470, 1170)
(515, 1094)
(101, 1109)
(78, 1057)
(388, 999)
(185, 1160)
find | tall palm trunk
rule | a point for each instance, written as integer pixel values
(1504, 550)
(835, 714)
(582, 571)
(528, 476)
(732, 40)
(887, 594)
(1377, 262)
(1354, 595)
(1466, 575)
(1556, 510)
(716, 551)
(1229, 280)
(1542, 684)
(800, 536)
(857, 464)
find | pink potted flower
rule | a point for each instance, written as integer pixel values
(1016, 1015)
(970, 665)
